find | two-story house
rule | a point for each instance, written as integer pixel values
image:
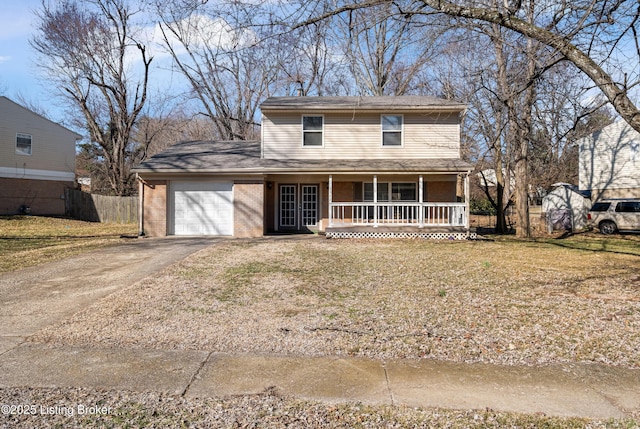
(344, 166)
(37, 161)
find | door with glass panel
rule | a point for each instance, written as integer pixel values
(309, 215)
(288, 206)
(298, 208)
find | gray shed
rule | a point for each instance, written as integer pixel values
(566, 207)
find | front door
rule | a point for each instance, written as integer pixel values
(298, 207)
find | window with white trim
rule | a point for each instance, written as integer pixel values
(391, 130)
(23, 144)
(312, 127)
(399, 191)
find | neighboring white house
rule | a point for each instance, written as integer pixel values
(37, 161)
(565, 207)
(610, 162)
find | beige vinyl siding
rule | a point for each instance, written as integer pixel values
(52, 146)
(358, 136)
(610, 159)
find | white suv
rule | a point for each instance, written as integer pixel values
(610, 216)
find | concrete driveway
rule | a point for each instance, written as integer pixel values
(36, 297)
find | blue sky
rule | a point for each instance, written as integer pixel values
(18, 73)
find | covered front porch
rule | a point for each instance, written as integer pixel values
(430, 205)
(400, 209)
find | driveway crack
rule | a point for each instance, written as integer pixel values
(195, 374)
(386, 377)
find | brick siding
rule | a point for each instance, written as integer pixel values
(248, 207)
(44, 197)
(155, 208)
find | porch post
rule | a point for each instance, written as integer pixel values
(330, 200)
(375, 200)
(466, 202)
(420, 200)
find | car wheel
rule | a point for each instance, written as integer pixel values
(607, 227)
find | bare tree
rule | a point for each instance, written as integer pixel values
(386, 49)
(597, 37)
(310, 64)
(560, 118)
(230, 65)
(87, 52)
(156, 134)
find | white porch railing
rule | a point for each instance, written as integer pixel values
(397, 214)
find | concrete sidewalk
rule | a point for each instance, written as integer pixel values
(594, 391)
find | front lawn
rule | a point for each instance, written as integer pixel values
(30, 240)
(628, 242)
(505, 302)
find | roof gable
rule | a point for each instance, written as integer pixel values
(10, 104)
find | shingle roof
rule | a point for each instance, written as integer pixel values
(243, 157)
(409, 102)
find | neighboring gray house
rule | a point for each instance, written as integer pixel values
(345, 166)
(566, 207)
(37, 161)
(609, 164)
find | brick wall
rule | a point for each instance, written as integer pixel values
(155, 208)
(248, 207)
(44, 197)
(342, 191)
(441, 192)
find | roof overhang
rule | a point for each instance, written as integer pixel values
(459, 167)
(361, 104)
(243, 158)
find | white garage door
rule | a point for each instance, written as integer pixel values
(202, 208)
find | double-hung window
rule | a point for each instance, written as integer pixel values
(391, 130)
(312, 130)
(23, 144)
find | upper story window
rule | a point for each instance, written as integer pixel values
(23, 144)
(391, 130)
(312, 127)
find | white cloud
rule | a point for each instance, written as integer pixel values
(4, 59)
(199, 32)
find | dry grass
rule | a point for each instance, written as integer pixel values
(30, 240)
(265, 410)
(494, 301)
(506, 302)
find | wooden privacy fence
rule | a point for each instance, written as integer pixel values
(101, 208)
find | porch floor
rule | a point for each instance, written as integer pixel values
(432, 233)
